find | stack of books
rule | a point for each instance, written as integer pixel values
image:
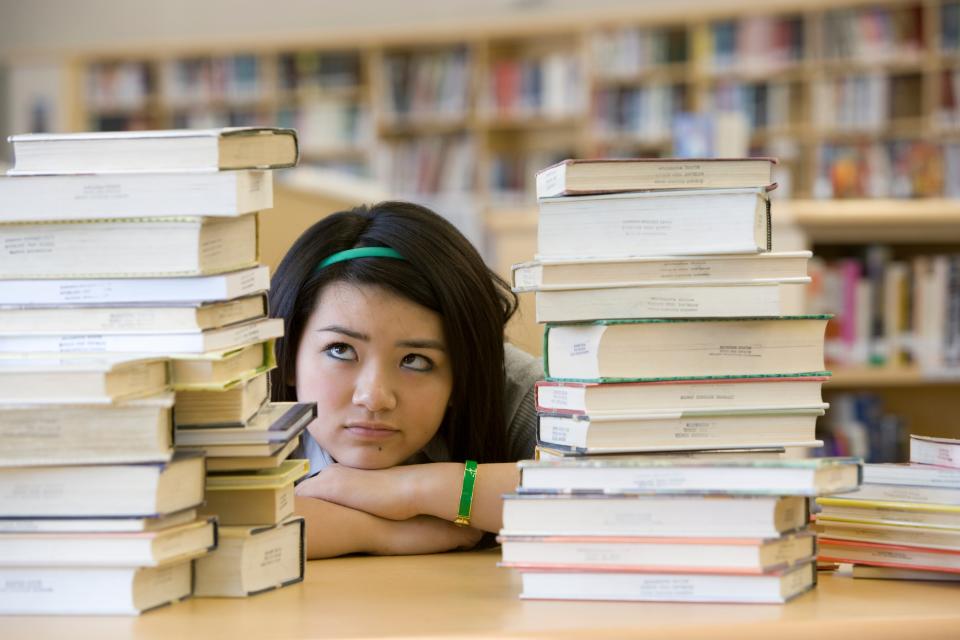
(673, 342)
(904, 522)
(132, 305)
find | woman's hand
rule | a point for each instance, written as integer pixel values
(388, 493)
(423, 534)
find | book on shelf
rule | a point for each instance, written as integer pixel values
(109, 549)
(154, 151)
(889, 513)
(249, 463)
(222, 369)
(128, 248)
(124, 290)
(943, 452)
(661, 271)
(117, 490)
(89, 380)
(912, 474)
(253, 559)
(227, 408)
(714, 516)
(890, 573)
(192, 343)
(94, 590)
(547, 453)
(679, 394)
(250, 497)
(141, 318)
(98, 525)
(691, 429)
(579, 177)
(751, 299)
(914, 535)
(774, 587)
(276, 422)
(807, 476)
(889, 555)
(650, 223)
(139, 430)
(652, 554)
(623, 350)
(106, 196)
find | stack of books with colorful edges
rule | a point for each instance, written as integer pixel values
(904, 522)
(131, 304)
(673, 342)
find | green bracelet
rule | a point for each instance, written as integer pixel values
(466, 494)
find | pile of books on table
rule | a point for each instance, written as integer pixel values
(904, 522)
(131, 306)
(673, 346)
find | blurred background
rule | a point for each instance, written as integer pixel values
(457, 104)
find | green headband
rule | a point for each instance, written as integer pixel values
(359, 252)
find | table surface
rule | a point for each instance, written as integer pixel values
(466, 594)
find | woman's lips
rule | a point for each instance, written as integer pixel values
(371, 431)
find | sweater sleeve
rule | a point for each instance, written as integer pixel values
(522, 372)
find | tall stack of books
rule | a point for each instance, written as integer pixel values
(673, 346)
(129, 291)
(904, 522)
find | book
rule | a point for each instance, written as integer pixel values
(889, 555)
(233, 407)
(277, 422)
(93, 590)
(118, 490)
(144, 318)
(679, 394)
(139, 430)
(685, 301)
(97, 525)
(154, 151)
(653, 515)
(943, 452)
(626, 225)
(262, 449)
(574, 177)
(258, 497)
(119, 291)
(625, 350)
(874, 492)
(889, 534)
(546, 453)
(109, 549)
(911, 474)
(129, 247)
(253, 559)
(105, 196)
(222, 369)
(651, 554)
(89, 380)
(889, 513)
(248, 463)
(889, 573)
(807, 476)
(195, 342)
(692, 429)
(287, 472)
(661, 271)
(770, 588)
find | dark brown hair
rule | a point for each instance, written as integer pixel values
(443, 272)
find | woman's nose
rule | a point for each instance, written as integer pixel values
(374, 390)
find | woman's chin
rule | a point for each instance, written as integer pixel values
(368, 459)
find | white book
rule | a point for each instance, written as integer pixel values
(772, 588)
(100, 379)
(153, 343)
(113, 549)
(944, 452)
(105, 196)
(92, 525)
(93, 590)
(690, 222)
(912, 474)
(115, 291)
(128, 248)
(154, 151)
(905, 493)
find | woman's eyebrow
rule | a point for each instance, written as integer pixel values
(423, 343)
(356, 335)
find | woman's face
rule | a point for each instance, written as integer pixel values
(377, 366)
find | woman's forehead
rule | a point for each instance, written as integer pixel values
(373, 310)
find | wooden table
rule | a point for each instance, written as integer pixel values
(465, 594)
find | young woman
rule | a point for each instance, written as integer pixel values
(394, 327)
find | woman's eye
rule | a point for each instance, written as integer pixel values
(341, 351)
(417, 362)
